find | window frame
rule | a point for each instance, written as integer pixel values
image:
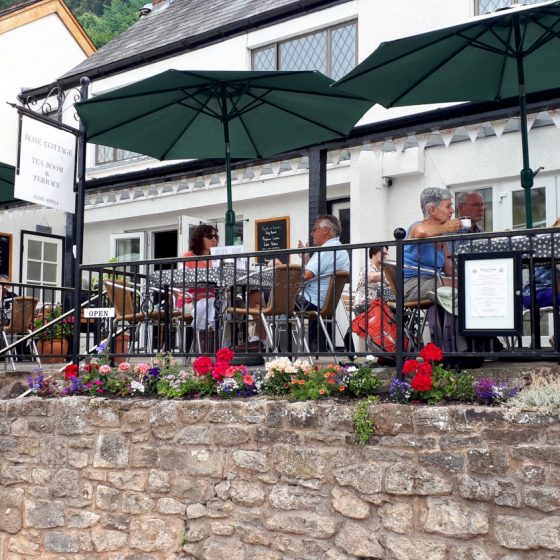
(115, 151)
(477, 11)
(329, 30)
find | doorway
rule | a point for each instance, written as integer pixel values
(165, 246)
(341, 209)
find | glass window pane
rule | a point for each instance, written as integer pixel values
(104, 154)
(487, 6)
(343, 50)
(305, 53)
(34, 271)
(538, 200)
(34, 250)
(50, 252)
(49, 273)
(238, 233)
(264, 59)
(128, 249)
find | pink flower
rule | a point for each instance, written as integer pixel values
(97, 382)
(141, 368)
(248, 380)
(124, 366)
(104, 369)
(202, 365)
(230, 371)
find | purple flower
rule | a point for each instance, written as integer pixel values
(400, 391)
(484, 390)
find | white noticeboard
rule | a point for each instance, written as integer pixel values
(47, 166)
(489, 294)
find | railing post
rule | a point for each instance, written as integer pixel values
(399, 235)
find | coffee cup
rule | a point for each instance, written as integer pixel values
(466, 222)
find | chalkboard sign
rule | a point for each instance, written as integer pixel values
(273, 234)
(6, 254)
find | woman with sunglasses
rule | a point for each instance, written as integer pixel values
(201, 241)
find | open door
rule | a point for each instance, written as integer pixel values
(186, 225)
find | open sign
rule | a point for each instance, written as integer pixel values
(99, 312)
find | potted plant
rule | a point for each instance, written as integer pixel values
(53, 340)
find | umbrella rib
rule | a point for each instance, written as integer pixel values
(503, 69)
(239, 116)
(547, 35)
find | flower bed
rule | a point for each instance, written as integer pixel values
(426, 380)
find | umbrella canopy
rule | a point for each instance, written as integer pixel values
(509, 53)
(7, 177)
(207, 114)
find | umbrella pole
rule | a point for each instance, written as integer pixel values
(526, 174)
(230, 214)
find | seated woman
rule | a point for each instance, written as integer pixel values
(543, 284)
(425, 263)
(375, 288)
(202, 239)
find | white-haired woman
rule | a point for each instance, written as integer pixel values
(425, 263)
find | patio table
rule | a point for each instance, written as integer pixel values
(221, 279)
(539, 246)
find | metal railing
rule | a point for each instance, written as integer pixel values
(194, 306)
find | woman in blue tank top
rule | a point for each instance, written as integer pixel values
(426, 262)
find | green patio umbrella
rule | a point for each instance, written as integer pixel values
(506, 54)
(181, 114)
(7, 177)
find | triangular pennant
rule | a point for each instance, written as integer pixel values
(399, 144)
(422, 139)
(531, 120)
(473, 130)
(376, 148)
(334, 156)
(499, 126)
(447, 135)
(555, 116)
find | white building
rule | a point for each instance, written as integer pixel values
(138, 207)
(39, 40)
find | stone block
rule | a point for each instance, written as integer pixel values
(365, 478)
(508, 494)
(41, 514)
(358, 540)
(194, 462)
(296, 548)
(543, 498)
(448, 462)
(215, 549)
(392, 419)
(144, 456)
(473, 489)
(30, 406)
(228, 436)
(264, 434)
(102, 415)
(128, 480)
(25, 543)
(151, 534)
(170, 506)
(470, 552)
(80, 519)
(54, 451)
(537, 453)
(299, 463)
(409, 441)
(65, 483)
(112, 450)
(453, 441)
(432, 419)
(348, 504)
(56, 541)
(105, 540)
(247, 493)
(107, 498)
(222, 529)
(158, 481)
(193, 412)
(513, 435)
(452, 519)
(71, 418)
(407, 479)
(533, 474)
(339, 418)
(396, 517)
(194, 435)
(485, 461)
(137, 503)
(115, 522)
(10, 518)
(303, 415)
(163, 420)
(290, 497)
(276, 414)
(251, 460)
(311, 524)
(523, 533)
(405, 548)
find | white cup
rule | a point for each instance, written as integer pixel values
(466, 222)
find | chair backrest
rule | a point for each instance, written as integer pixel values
(337, 283)
(121, 297)
(23, 308)
(390, 275)
(287, 284)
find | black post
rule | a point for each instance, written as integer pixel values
(399, 234)
(317, 184)
(79, 231)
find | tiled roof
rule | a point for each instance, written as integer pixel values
(182, 25)
(17, 6)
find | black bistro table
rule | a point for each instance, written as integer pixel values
(218, 278)
(535, 247)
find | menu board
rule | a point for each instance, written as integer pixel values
(273, 234)
(6, 254)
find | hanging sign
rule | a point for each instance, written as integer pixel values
(47, 166)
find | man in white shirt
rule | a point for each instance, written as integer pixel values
(319, 268)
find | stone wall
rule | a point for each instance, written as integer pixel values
(88, 479)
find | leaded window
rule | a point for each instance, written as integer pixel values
(487, 6)
(106, 154)
(332, 51)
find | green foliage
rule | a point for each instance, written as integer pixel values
(542, 396)
(363, 382)
(364, 426)
(116, 17)
(60, 330)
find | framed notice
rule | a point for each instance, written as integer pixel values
(6, 254)
(490, 296)
(273, 234)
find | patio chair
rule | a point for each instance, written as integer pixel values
(23, 308)
(327, 314)
(415, 312)
(125, 299)
(281, 303)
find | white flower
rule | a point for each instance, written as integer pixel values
(351, 369)
(137, 386)
(370, 358)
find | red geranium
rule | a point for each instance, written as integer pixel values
(70, 371)
(431, 353)
(425, 368)
(225, 355)
(219, 370)
(410, 366)
(202, 365)
(421, 382)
